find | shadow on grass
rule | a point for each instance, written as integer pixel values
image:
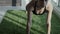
(18, 15)
(38, 31)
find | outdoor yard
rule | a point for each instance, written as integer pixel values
(15, 22)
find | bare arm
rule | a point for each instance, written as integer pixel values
(50, 9)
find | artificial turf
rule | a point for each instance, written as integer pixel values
(14, 22)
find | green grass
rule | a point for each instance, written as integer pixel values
(14, 22)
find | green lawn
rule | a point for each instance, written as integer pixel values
(14, 22)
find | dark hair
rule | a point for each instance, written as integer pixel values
(35, 5)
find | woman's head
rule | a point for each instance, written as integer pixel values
(39, 6)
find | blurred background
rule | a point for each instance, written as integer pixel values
(13, 18)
